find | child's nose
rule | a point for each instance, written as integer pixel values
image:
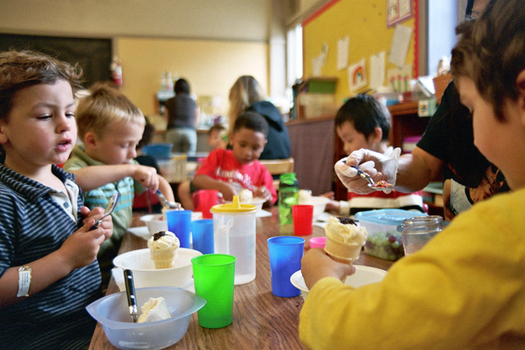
(64, 124)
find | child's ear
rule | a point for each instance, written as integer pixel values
(377, 135)
(520, 81)
(90, 140)
(3, 136)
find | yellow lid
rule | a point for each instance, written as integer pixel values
(233, 207)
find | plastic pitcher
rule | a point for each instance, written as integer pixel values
(234, 234)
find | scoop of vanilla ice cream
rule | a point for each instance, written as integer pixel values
(163, 240)
(345, 233)
(155, 309)
(305, 197)
(245, 196)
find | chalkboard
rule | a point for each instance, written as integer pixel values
(93, 55)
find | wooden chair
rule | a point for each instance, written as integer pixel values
(278, 167)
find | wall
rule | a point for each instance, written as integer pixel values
(209, 42)
(203, 19)
(211, 67)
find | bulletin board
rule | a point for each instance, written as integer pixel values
(360, 26)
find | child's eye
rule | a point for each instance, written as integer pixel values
(43, 117)
(70, 115)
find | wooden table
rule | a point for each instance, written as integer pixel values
(260, 319)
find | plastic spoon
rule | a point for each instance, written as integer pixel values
(109, 209)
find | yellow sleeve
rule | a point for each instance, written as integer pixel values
(463, 290)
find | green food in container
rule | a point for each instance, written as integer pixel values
(384, 240)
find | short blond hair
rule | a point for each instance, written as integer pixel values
(103, 106)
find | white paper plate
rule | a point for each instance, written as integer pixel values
(141, 231)
(363, 275)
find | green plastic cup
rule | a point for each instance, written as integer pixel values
(214, 275)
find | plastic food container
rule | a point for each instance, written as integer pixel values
(384, 240)
(113, 313)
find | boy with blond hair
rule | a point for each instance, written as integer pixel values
(464, 289)
(110, 127)
(48, 267)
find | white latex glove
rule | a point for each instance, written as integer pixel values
(379, 166)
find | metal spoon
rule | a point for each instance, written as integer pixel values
(109, 209)
(130, 293)
(166, 203)
(371, 183)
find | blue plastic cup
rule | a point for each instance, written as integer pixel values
(179, 222)
(285, 254)
(202, 234)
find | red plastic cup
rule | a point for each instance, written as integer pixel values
(203, 200)
(303, 219)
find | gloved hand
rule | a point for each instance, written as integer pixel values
(379, 166)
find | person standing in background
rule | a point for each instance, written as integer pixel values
(247, 95)
(182, 116)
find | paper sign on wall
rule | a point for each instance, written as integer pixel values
(319, 61)
(400, 44)
(399, 78)
(357, 76)
(377, 70)
(398, 11)
(342, 53)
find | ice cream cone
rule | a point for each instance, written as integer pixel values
(344, 252)
(164, 258)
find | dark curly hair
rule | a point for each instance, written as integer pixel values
(491, 52)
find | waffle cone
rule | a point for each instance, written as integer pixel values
(345, 252)
(164, 258)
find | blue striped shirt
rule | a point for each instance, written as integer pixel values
(33, 225)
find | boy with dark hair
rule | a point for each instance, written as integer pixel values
(465, 288)
(364, 123)
(229, 171)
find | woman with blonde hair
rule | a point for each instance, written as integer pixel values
(247, 95)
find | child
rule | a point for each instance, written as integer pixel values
(110, 127)
(229, 171)
(217, 137)
(147, 199)
(363, 122)
(48, 267)
(465, 289)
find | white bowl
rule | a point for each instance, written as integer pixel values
(319, 204)
(113, 313)
(144, 272)
(155, 223)
(363, 275)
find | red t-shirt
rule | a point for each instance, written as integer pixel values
(222, 165)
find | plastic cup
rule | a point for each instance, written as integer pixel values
(213, 275)
(285, 254)
(179, 222)
(203, 200)
(317, 242)
(303, 219)
(202, 234)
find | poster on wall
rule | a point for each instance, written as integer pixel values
(398, 11)
(357, 78)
